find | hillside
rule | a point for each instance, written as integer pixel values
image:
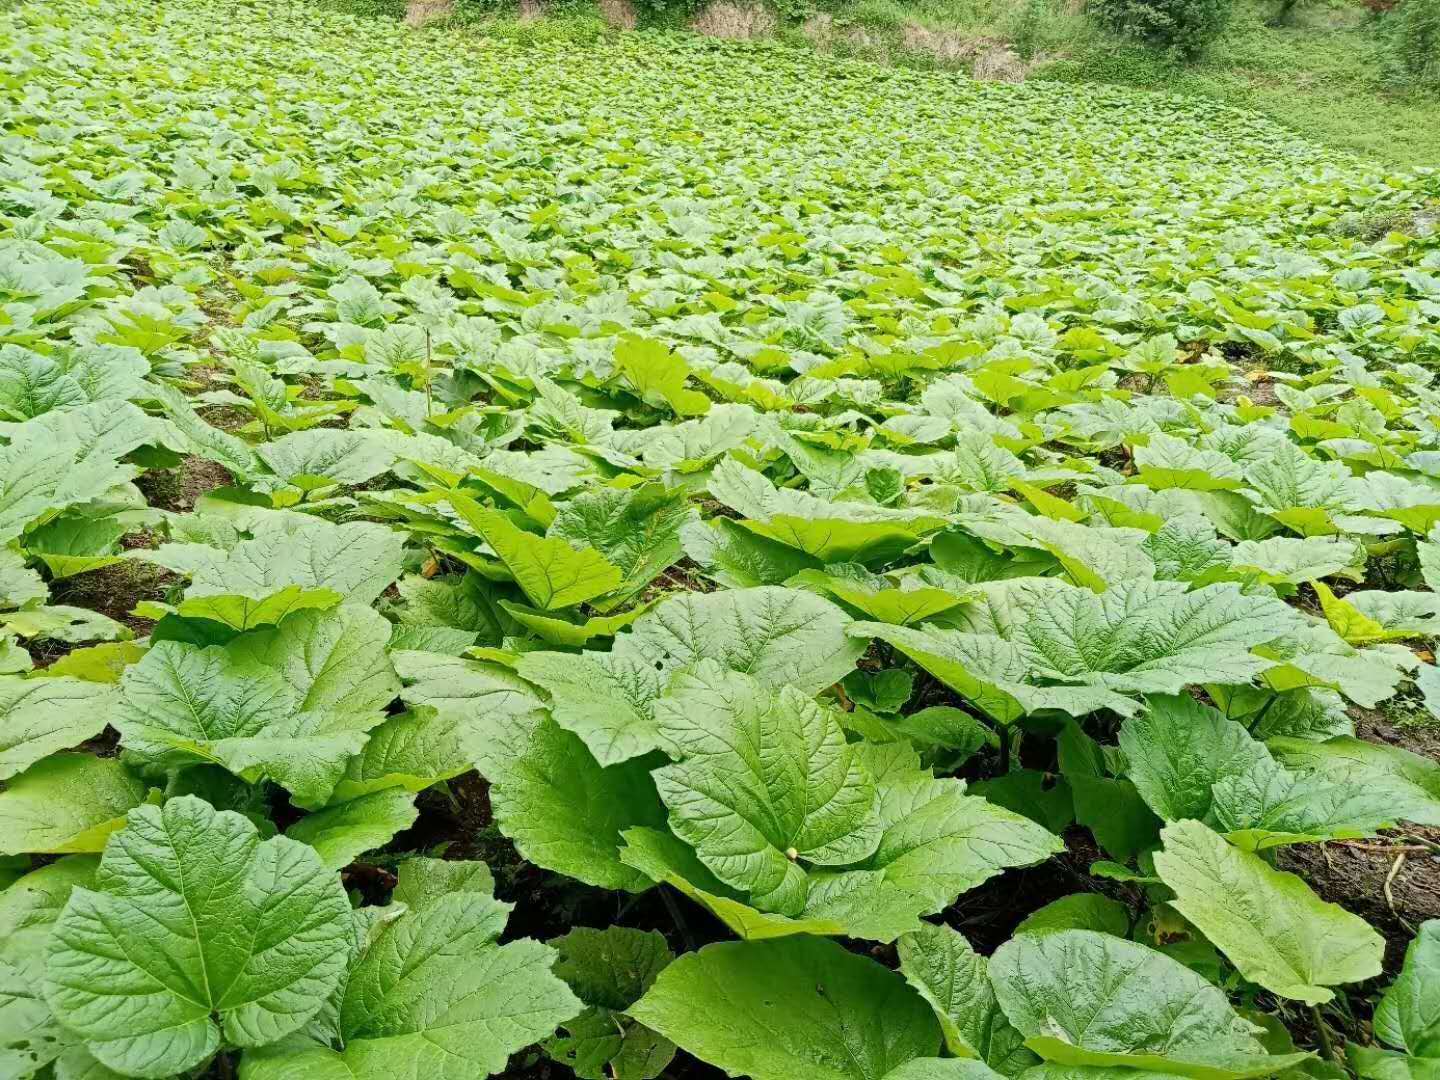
(539, 554)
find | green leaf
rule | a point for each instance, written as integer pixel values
(876, 596)
(553, 573)
(1408, 1016)
(608, 699)
(797, 1006)
(776, 636)
(658, 374)
(431, 994)
(563, 810)
(940, 964)
(46, 715)
(252, 933)
(764, 780)
(636, 530)
(1085, 998)
(609, 970)
(354, 562)
(66, 803)
(1178, 749)
(1268, 923)
(1374, 1063)
(342, 832)
(1079, 911)
(413, 750)
(293, 703)
(1408, 784)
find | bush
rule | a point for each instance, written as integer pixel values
(1183, 27)
(1415, 40)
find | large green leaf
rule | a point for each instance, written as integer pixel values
(563, 810)
(776, 1010)
(553, 573)
(1085, 998)
(66, 803)
(45, 715)
(293, 703)
(777, 636)
(429, 993)
(609, 970)
(1408, 1016)
(764, 780)
(1269, 923)
(1178, 749)
(940, 964)
(193, 917)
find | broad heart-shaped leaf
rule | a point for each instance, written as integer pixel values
(429, 995)
(609, 970)
(936, 842)
(552, 572)
(779, 637)
(193, 916)
(658, 374)
(293, 703)
(66, 803)
(1085, 998)
(47, 468)
(1268, 805)
(564, 811)
(1376, 1063)
(1269, 923)
(940, 964)
(608, 699)
(355, 563)
(473, 690)
(341, 457)
(413, 750)
(1408, 1017)
(790, 1008)
(333, 660)
(1146, 636)
(44, 715)
(764, 779)
(1178, 749)
(433, 996)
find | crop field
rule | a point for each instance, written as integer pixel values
(657, 558)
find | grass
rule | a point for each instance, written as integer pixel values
(1326, 76)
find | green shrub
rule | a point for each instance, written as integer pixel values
(1028, 26)
(1184, 27)
(1415, 40)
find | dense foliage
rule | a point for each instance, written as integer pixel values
(802, 494)
(1415, 36)
(1182, 26)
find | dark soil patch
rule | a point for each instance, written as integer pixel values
(179, 489)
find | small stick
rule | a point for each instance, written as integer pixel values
(1390, 897)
